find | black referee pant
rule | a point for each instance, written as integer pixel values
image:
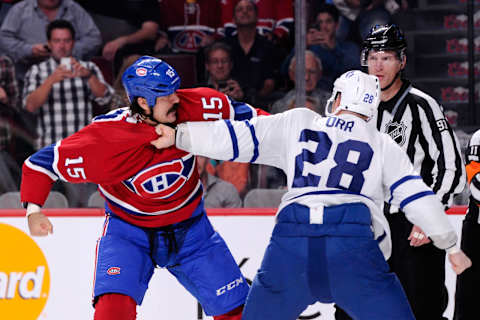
(466, 295)
(421, 271)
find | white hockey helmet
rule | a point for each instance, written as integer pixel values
(360, 94)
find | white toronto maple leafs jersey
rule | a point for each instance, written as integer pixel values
(328, 161)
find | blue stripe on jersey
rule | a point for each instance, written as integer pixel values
(198, 210)
(329, 192)
(382, 237)
(415, 197)
(255, 141)
(399, 182)
(44, 158)
(112, 115)
(234, 139)
(242, 110)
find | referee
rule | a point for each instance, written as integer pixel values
(417, 123)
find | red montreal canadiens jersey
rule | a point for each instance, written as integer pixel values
(144, 186)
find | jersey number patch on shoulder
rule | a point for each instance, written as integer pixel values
(442, 124)
(212, 108)
(352, 158)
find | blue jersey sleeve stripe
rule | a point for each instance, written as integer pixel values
(242, 110)
(399, 182)
(415, 197)
(255, 141)
(233, 136)
(44, 158)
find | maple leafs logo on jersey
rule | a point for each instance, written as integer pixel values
(162, 180)
(397, 131)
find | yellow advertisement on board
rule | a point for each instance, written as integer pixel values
(24, 275)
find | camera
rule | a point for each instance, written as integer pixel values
(316, 26)
(67, 62)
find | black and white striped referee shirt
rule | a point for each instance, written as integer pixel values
(417, 123)
(69, 104)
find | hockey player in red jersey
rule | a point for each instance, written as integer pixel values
(153, 198)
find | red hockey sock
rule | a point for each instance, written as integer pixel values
(235, 314)
(114, 306)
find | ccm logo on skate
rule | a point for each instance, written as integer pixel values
(113, 271)
(24, 275)
(232, 285)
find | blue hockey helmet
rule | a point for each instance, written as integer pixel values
(150, 77)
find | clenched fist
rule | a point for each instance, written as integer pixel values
(39, 224)
(460, 262)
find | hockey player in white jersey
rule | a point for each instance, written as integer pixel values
(330, 232)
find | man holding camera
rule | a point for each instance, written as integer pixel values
(60, 91)
(219, 64)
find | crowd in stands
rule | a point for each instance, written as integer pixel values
(61, 62)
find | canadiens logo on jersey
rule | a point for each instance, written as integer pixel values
(397, 131)
(189, 38)
(162, 180)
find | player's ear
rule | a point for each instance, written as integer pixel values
(336, 103)
(403, 62)
(142, 102)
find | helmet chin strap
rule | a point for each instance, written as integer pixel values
(391, 83)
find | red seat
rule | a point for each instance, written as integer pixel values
(106, 67)
(186, 66)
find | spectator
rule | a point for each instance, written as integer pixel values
(415, 121)
(359, 16)
(313, 72)
(5, 5)
(9, 170)
(22, 34)
(219, 65)
(60, 91)
(337, 56)
(275, 19)
(127, 27)
(216, 192)
(254, 57)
